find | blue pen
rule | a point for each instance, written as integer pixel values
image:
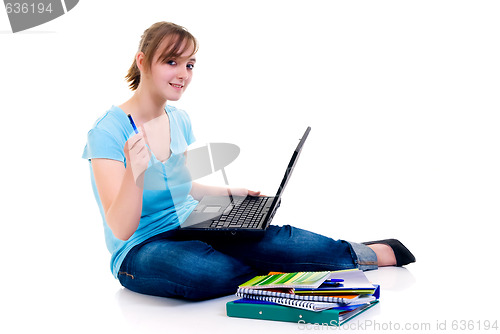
(132, 122)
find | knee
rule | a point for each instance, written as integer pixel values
(198, 274)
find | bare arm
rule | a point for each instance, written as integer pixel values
(200, 190)
(120, 195)
(121, 198)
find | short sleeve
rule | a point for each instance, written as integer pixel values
(188, 130)
(102, 144)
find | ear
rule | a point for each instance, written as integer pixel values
(140, 61)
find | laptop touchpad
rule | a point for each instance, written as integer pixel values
(211, 209)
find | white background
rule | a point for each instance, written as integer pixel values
(402, 98)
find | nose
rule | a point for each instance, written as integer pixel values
(182, 72)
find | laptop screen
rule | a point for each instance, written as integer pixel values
(289, 170)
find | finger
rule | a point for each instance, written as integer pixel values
(253, 193)
(143, 131)
(134, 140)
(140, 149)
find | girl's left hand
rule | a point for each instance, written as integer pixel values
(244, 192)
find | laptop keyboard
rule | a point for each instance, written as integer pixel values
(246, 213)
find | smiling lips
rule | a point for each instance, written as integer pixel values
(176, 85)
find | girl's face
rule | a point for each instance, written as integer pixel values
(170, 78)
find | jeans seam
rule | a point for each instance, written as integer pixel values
(126, 274)
(367, 263)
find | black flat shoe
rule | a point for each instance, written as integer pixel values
(403, 255)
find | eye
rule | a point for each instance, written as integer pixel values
(171, 62)
(190, 66)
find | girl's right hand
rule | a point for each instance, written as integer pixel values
(138, 156)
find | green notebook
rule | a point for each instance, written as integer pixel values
(309, 279)
(284, 313)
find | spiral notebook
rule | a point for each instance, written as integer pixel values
(344, 287)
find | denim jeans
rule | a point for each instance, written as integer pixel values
(168, 266)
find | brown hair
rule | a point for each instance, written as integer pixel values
(150, 42)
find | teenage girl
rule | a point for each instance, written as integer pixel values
(140, 220)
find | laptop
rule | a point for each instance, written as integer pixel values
(237, 216)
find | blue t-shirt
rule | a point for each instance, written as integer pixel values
(166, 201)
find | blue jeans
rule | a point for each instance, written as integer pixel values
(171, 267)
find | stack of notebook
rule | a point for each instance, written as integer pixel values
(331, 297)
